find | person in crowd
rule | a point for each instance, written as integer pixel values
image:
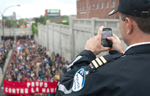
(15, 78)
(32, 63)
(4, 52)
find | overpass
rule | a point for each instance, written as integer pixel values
(15, 32)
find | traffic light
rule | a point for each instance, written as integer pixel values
(24, 25)
(6, 26)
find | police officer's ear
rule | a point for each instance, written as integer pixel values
(129, 24)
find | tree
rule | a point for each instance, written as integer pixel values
(10, 23)
(45, 17)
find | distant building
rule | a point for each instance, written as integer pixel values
(96, 8)
(12, 17)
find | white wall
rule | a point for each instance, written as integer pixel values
(70, 40)
(15, 31)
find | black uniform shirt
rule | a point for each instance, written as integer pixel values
(128, 75)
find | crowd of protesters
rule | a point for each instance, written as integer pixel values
(34, 63)
(5, 46)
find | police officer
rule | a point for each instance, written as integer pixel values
(122, 72)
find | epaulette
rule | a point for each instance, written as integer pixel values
(100, 61)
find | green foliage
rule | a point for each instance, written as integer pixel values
(35, 28)
(44, 23)
(18, 25)
(65, 17)
(34, 25)
(10, 23)
(65, 23)
(45, 17)
(13, 23)
(23, 22)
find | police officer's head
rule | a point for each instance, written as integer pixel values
(134, 16)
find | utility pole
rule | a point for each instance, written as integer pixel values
(3, 22)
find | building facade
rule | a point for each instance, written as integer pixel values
(88, 9)
(12, 17)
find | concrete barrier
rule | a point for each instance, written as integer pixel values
(2, 76)
(15, 31)
(70, 40)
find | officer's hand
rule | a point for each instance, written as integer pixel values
(94, 44)
(116, 44)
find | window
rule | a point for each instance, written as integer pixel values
(93, 7)
(113, 3)
(97, 6)
(102, 5)
(89, 7)
(107, 4)
(83, 8)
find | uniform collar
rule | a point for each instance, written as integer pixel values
(138, 48)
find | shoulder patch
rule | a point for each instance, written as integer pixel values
(79, 80)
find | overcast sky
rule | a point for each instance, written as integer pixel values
(36, 8)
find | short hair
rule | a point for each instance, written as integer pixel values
(143, 23)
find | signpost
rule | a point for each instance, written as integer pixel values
(52, 12)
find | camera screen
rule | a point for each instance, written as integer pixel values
(106, 34)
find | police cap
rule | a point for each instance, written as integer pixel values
(139, 8)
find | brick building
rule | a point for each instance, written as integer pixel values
(96, 8)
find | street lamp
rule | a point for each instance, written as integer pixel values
(3, 22)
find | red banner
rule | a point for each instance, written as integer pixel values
(28, 88)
